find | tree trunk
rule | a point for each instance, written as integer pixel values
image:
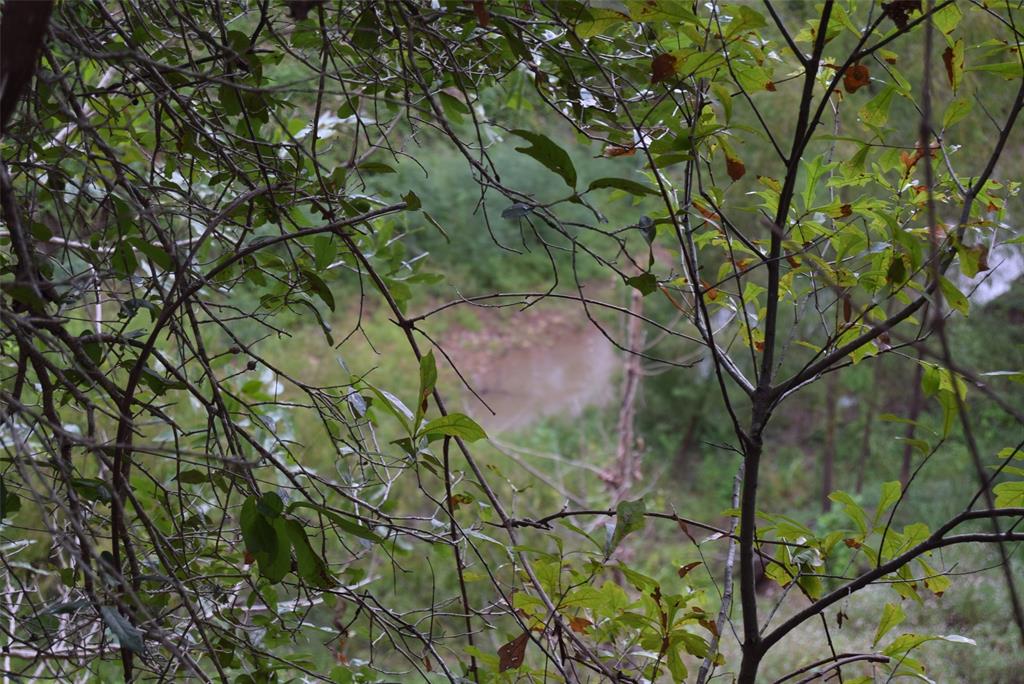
(829, 457)
(626, 469)
(869, 422)
(916, 401)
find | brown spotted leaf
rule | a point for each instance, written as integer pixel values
(511, 655)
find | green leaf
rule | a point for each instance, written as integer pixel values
(875, 111)
(123, 260)
(91, 489)
(956, 111)
(645, 282)
(412, 201)
(193, 476)
(544, 150)
(324, 251)
(263, 540)
(645, 11)
(270, 505)
(428, 379)
(455, 425)
(155, 253)
(890, 495)
(311, 567)
(947, 18)
(319, 288)
(953, 296)
(629, 518)
(277, 562)
(9, 501)
(598, 20)
(892, 615)
(852, 510)
(905, 643)
(128, 635)
(395, 407)
(632, 187)
(341, 521)
(1009, 494)
(366, 34)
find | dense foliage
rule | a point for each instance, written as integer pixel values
(780, 196)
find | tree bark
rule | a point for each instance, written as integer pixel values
(829, 457)
(916, 400)
(22, 30)
(626, 469)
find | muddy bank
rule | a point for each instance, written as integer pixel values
(533, 364)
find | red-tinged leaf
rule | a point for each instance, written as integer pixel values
(982, 258)
(709, 290)
(947, 59)
(619, 151)
(511, 655)
(580, 625)
(249, 558)
(684, 570)
(910, 160)
(706, 213)
(847, 309)
(734, 167)
(686, 530)
(663, 67)
(710, 626)
(483, 17)
(953, 59)
(793, 261)
(852, 543)
(770, 86)
(460, 500)
(856, 77)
